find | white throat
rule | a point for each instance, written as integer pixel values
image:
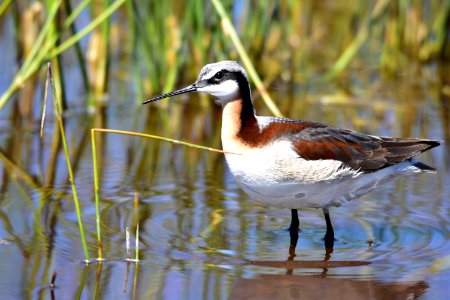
(225, 91)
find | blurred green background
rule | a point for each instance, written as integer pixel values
(151, 46)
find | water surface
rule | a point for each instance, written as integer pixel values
(200, 235)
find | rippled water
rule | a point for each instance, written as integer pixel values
(200, 235)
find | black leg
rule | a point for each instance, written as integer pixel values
(293, 229)
(329, 235)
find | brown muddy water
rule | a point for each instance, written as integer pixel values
(200, 236)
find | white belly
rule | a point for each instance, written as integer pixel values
(277, 176)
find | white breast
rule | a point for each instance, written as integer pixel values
(276, 176)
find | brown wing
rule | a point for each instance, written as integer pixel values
(359, 151)
(314, 141)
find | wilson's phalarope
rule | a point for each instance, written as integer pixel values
(299, 164)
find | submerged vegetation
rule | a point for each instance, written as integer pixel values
(108, 56)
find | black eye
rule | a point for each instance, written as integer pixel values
(218, 75)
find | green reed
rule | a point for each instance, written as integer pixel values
(81, 59)
(4, 6)
(46, 47)
(136, 224)
(96, 195)
(229, 30)
(58, 114)
(169, 41)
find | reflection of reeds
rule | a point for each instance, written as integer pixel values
(136, 224)
(136, 200)
(83, 278)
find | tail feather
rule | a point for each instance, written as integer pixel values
(423, 167)
(399, 149)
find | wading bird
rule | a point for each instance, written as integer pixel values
(298, 164)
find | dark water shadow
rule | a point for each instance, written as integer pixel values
(290, 264)
(307, 264)
(317, 287)
(320, 285)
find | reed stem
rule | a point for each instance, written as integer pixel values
(96, 194)
(230, 31)
(69, 166)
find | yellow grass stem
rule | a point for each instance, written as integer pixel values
(136, 221)
(96, 194)
(96, 177)
(157, 137)
(4, 6)
(135, 280)
(137, 243)
(97, 286)
(231, 32)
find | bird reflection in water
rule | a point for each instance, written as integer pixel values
(312, 284)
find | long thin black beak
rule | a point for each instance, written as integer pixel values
(188, 89)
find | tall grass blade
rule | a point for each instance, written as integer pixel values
(136, 221)
(69, 166)
(137, 243)
(20, 77)
(96, 194)
(41, 39)
(80, 57)
(44, 109)
(229, 30)
(4, 6)
(91, 26)
(42, 50)
(361, 37)
(98, 52)
(127, 242)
